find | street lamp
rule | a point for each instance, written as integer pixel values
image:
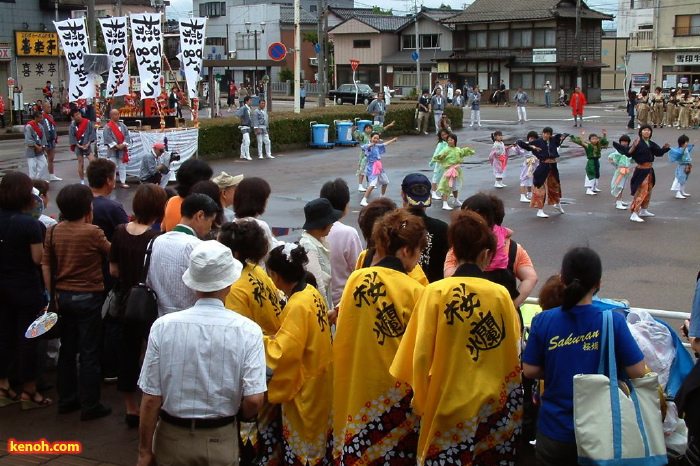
(255, 34)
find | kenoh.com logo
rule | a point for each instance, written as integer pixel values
(43, 446)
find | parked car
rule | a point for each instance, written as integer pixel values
(346, 93)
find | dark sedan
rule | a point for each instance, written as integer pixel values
(346, 93)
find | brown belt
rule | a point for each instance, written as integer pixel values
(195, 423)
(644, 165)
(549, 161)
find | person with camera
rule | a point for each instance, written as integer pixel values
(154, 167)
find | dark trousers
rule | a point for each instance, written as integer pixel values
(2, 119)
(155, 178)
(17, 117)
(20, 304)
(81, 322)
(302, 101)
(553, 453)
(111, 334)
(132, 339)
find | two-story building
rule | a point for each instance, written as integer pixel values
(670, 50)
(385, 46)
(525, 44)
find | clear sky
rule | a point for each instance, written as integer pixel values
(183, 8)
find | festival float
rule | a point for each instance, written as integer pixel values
(146, 107)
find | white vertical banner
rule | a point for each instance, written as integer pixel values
(191, 46)
(74, 40)
(114, 31)
(147, 38)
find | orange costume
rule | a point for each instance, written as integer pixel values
(577, 103)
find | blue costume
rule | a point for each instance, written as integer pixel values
(682, 157)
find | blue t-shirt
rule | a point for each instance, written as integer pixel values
(566, 343)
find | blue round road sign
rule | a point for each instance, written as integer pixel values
(317, 47)
(414, 55)
(277, 51)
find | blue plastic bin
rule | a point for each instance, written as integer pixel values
(344, 132)
(362, 123)
(320, 134)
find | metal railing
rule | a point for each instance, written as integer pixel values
(686, 31)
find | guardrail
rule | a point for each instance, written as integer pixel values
(656, 313)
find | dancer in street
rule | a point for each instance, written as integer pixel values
(362, 138)
(593, 152)
(643, 150)
(438, 171)
(622, 172)
(498, 158)
(375, 172)
(529, 165)
(681, 155)
(547, 185)
(451, 160)
(81, 137)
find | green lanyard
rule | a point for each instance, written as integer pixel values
(183, 229)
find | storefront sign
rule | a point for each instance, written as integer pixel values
(73, 35)
(192, 45)
(115, 34)
(688, 58)
(36, 44)
(544, 55)
(5, 51)
(443, 67)
(147, 38)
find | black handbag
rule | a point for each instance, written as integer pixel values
(141, 302)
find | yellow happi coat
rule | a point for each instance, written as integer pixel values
(417, 273)
(372, 418)
(256, 297)
(460, 354)
(301, 357)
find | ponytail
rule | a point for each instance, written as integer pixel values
(581, 270)
(494, 134)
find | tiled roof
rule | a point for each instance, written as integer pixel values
(383, 23)
(347, 13)
(483, 11)
(287, 15)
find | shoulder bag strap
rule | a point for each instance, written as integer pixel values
(147, 263)
(608, 341)
(52, 265)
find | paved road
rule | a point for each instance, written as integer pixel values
(652, 264)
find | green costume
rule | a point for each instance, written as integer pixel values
(592, 154)
(450, 159)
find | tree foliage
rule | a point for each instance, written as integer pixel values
(377, 10)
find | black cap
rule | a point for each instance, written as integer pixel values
(416, 186)
(319, 214)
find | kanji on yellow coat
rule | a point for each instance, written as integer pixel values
(460, 354)
(372, 419)
(255, 296)
(301, 356)
(417, 273)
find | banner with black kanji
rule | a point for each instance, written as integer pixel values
(192, 46)
(115, 34)
(74, 40)
(147, 38)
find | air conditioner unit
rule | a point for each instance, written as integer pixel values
(232, 55)
(313, 61)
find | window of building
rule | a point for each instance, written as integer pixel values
(498, 39)
(361, 44)
(430, 41)
(523, 80)
(545, 38)
(477, 40)
(521, 38)
(541, 78)
(246, 41)
(408, 41)
(313, 8)
(215, 41)
(212, 9)
(687, 25)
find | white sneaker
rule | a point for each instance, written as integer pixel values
(635, 218)
(53, 177)
(249, 157)
(595, 188)
(361, 188)
(682, 192)
(626, 204)
(541, 214)
(270, 156)
(457, 202)
(679, 195)
(620, 206)
(529, 195)
(82, 181)
(523, 198)
(646, 213)
(590, 192)
(363, 202)
(425, 132)
(503, 185)
(446, 205)
(559, 208)
(435, 196)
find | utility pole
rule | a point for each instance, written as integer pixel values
(92, 26)
(297, 56)
(119, 7)
(579, 60)
(418, 86)
(321, 55)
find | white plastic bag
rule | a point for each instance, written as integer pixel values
(655, 341)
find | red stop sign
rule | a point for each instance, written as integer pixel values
(10, 82)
